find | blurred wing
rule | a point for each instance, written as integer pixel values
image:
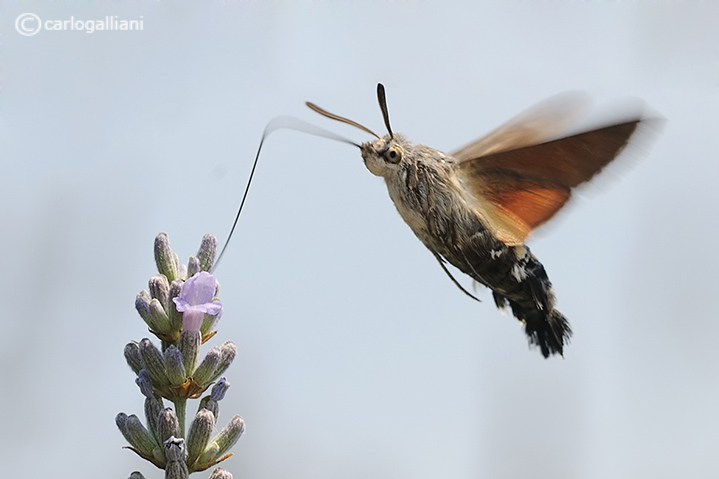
(542, 122)
(519, 189)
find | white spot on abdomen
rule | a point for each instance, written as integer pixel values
(519, 272)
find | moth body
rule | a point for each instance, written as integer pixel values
(427, 189)
(475, 208)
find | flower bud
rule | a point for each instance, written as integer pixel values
(174, 366)
(153, 408)
(159, 317)
(229, 351)
(220, 389)
(142, 305)
(193, 267)
(211, 402)
(133, 357)
(199, 435)
(206, 253)
(144, 382)
(154, 363)
(159, 288)
(167, 425)
(221, 443)
(230, 434)
(172, 312)
(120, 421)
(165, 258)
(189, 346)
(205, 372)
(140, 438)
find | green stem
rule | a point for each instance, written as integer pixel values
(180, 408)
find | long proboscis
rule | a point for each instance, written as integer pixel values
(278, 123)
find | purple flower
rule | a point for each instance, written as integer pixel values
(195, 300)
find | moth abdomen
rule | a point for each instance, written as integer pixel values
(519, 282)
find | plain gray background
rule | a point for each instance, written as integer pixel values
(357, 356)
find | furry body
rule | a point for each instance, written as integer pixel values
(428, 192)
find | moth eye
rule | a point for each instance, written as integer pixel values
(393, 154)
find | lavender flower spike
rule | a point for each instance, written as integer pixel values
(181, 309)
(196, 300)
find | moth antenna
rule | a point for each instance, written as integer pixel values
(340, 118)
(383, 106)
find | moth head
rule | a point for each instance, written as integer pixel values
(384, 155)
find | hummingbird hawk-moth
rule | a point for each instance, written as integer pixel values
(475, 207)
